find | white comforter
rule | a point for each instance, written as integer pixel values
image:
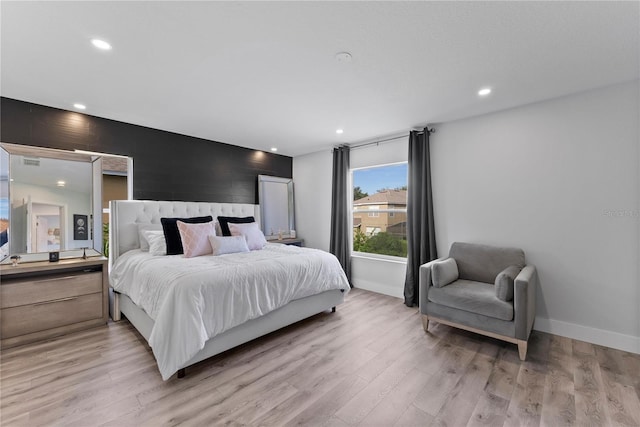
(194, 299)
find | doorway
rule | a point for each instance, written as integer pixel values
(47, 223)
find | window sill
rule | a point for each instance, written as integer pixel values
(379, 257)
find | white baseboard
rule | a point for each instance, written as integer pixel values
(392, 291)
(616, 340)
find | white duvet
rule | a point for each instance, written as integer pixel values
(194, 299)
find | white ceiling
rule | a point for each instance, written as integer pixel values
(263, 74)
(78, 176)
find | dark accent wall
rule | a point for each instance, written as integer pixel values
(166, 165)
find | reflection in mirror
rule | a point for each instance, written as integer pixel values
(50, 204)
(52, 200)
(276, 206)
(116, 185)
(4, 204)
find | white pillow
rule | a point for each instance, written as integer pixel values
(157, 243)
(228, 244)
(251, 232)
(144, 243)
(444, 272)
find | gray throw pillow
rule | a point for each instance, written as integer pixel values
(444, 272)
(504, 282)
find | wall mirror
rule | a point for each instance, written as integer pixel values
(276, 206)
(51, 201)
(4, 203)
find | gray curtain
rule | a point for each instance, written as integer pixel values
(340, 210)
(421, 238)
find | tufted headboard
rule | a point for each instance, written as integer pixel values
(127, 214)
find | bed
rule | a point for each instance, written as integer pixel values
(267, 289)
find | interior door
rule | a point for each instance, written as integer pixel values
(42, 233)
(30, 220)
(47, 226)
(18, 228)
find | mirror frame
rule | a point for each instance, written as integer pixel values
(5, 179)
(96, 199)
(264, 182)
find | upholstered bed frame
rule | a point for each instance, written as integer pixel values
(125, 217)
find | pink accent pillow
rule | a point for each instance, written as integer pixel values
(195, 238)
(251, 232)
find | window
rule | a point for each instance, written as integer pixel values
(380, 210)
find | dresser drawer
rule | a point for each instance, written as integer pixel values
(32, 290)
(40, 316)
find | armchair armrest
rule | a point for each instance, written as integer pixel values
(524, 301)
(425, 283)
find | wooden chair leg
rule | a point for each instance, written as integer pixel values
(425, 322)
(522, 349)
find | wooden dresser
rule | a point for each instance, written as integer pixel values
(40, 300)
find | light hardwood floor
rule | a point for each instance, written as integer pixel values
(370, 363)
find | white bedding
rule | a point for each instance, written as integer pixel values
(194, 299)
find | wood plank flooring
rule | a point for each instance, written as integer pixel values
(368, 364)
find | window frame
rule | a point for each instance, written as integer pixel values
(358, 254)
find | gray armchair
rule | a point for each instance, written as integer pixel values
(483, 289)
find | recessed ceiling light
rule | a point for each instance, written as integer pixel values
(274, 149)
(484, 91)
(61, 183)
(101, 44)
(80, 106)
(339, 131)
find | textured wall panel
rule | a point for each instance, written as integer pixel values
(167, 166)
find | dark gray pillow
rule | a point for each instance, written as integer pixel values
(504, 282)
(444, 272)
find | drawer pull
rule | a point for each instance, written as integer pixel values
(55, 300)
(54, 279)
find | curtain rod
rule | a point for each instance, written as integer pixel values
(366, 144)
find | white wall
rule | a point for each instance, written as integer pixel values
(383, 276)
(559, 179)
(312, 187)
(312, 175)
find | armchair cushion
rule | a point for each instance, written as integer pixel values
(444, 272)
(504, 282)
(482, 263)
(474, 297)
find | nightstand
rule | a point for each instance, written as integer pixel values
(40, 300)
(289, 241)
